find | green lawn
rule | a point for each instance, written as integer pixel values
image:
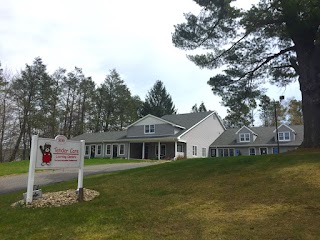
(259, 197)
(19, 167)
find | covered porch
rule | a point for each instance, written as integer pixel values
(157, 150)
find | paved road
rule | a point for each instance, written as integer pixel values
(19, 182)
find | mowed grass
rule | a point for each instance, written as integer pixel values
(260, 197)
(19, 167)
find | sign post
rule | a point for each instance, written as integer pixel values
(54, 154)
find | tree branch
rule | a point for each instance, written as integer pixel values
(267, 60)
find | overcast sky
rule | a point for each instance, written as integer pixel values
(134, 37)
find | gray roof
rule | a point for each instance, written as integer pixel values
(187, 121)
(101, 137)
(265, 137)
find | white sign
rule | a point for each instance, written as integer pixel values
(55, 153)
(58, 153)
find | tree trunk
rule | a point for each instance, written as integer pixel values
(309, 78)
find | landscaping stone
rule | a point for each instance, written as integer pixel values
(58, 199)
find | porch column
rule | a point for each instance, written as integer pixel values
(159, 148)
(175, 150)
(143, 150)
(128, 150)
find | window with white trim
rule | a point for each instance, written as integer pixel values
(194, 150)
(179, 148)
(149, 129)
(244, 137)
(99, 149)
(108, 149)
(225, 152)
(252, 151)
(204, 152)
(121, 149)
(284, 136)
(87, 150)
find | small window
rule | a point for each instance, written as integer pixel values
(284, 136)
(149, 129)
(244, 137)
(99, 150)
(252, 151)
(231, 152)
(87, 150)
(204, 152)
(213, 152)
(121, 149)
(226, 152)
(179, 148)
(220, 151)
(194, 150)
(108, 151)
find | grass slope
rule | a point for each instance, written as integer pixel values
(260, 197)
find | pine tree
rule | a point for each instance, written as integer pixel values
(158, 102)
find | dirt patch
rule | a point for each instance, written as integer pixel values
(58, 199)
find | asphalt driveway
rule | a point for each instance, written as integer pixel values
(19, 182)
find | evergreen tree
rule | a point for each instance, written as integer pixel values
(158, 102)
(276, 41)
(295, 116)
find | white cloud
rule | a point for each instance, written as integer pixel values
(132, 36)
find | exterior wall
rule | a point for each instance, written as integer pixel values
(160, 130)
(103, 153)
(149, 120)
(244, 151)
(202, 136)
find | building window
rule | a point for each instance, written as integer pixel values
(87, 150)
(252, 151)
(121, 149)
(231, 152)
(149, 129)
(213, 152)
(244, 137)
(194, 150)
(204, 152)
(226, 152)
(99, 149)
(108, 150)
(284, 136)
(179, 148)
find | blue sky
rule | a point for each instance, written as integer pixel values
(134, 37)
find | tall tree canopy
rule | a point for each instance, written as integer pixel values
(275, 40)
(158, 102)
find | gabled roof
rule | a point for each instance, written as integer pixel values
(265, 137)
(286, 127)
(247, 129)
(101, 137)
(160, 119)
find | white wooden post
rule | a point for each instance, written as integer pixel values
(32, 166)
(159, 149)
(175, 150)
(143, 150)
(128, 150)
(80, 175)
